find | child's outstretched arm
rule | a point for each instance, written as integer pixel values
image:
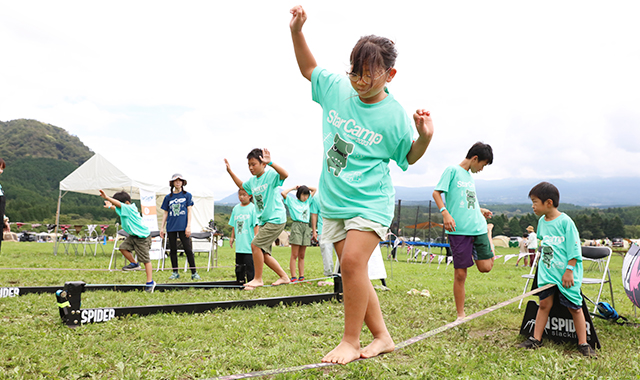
(266, 158)
(424, 126)
(306, 61)
(234, 177)
(108, 201)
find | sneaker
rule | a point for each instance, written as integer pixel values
(195, 276)
(294, 279)
(174, 276)
(531, 343)
(150, 286)
(586, 350)
(301, 278)
(132, 266)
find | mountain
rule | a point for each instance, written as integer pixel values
(30, 138)
(38, 157)
(589, 192)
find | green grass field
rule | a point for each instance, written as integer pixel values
(34, 344)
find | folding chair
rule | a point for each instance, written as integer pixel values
(200, 242)
(122, 235)
(599, 255)
(530, 276)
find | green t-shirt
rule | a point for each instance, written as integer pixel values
(266, 197)
(359, 140)
(462, 202)
(243, 219)
(560, 242)
(131, 220)
(315, 209)
(298, 210)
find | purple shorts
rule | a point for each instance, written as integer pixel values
(465, 249)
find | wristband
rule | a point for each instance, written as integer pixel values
(270, 163)
(442, 209)
(570, 267)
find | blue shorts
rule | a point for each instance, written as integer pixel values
(564, 301)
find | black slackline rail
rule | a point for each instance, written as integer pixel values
(24, 290)
(401, 345)
(14, 291)
(69, 301)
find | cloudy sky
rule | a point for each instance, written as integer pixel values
(159, 87)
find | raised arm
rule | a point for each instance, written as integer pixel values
(287, 191)
(110, 201)
(313, 191)
(424, 126)
(306, 61)
(234, 177)
(266, 158)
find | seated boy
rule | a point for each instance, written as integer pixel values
(139, 239)
(560, 263)
(464, 220)
(272, 215)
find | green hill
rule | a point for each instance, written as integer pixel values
(38, 157)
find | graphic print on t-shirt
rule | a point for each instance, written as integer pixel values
(175, 207)
(471, 199)
(547, 256)
(240, 225)
(338, 154)
(259, 201)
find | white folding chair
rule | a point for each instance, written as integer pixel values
(120, 236)
(530, 276)
(200, 242)
(601, 256)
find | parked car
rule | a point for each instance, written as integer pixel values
(617, 242)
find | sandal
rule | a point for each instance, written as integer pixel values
(301, 278)
(294, 279)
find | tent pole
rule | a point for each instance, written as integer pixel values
(55, 247)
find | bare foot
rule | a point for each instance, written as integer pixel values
(342, 354)
(253, 284)
(281, 280)
(377, 347)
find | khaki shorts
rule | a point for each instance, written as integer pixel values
(267, 234)
(300, 234)
(335, 230)
(138, 245)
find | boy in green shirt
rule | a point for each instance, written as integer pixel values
(560, 263)
(139, 239)
(464, 220)
(272, 215)
(244, 227)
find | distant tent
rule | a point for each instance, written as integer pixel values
(98, 173)
(501, 241)
(9, 236)
(282, 240)
(424, 226)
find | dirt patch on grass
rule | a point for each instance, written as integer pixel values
(481, 333)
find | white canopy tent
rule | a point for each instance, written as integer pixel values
(98, 173)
